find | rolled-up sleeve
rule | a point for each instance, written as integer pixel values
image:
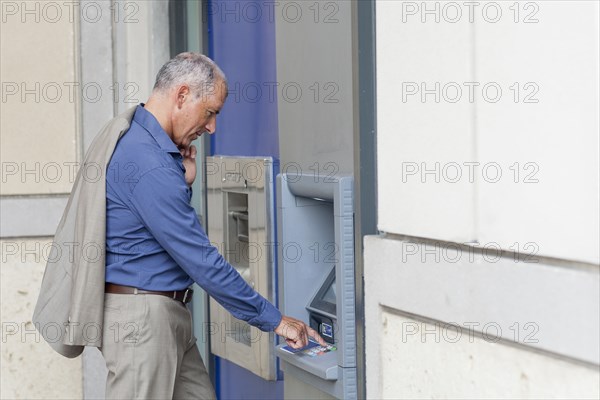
(161, 199)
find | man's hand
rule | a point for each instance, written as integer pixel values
(296, 333)
(189, 162)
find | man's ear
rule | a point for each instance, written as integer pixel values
(183, 94)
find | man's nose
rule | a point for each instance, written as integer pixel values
(211, 127)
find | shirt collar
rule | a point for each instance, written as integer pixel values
(150, 123)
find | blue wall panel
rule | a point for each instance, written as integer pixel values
(243, 45)
(237, 383)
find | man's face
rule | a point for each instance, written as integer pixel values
(194, 116)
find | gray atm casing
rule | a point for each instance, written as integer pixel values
(315, 231)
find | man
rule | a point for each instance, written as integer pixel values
(156, 248)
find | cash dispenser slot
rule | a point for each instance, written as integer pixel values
(241, 221)
(237, 210)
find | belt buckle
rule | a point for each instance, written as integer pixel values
(185, 294)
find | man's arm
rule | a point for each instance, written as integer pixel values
(162, 201)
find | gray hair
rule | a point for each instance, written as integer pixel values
(194, 69)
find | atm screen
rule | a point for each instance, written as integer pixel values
(329, 295)
(325, 299)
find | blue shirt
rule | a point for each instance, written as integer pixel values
(154, 240)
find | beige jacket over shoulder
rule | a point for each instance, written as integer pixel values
(70, 309)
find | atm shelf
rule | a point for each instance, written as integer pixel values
(324, 366)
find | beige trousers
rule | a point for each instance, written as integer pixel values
(150, 349)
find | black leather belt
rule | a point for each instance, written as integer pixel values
(184, 296)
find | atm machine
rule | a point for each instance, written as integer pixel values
(241, 202)
(315, 226)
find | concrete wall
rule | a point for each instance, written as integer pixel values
(39, 100)
(488, 201)
(315, 104)
(39, 149)
(30, 368)
(473, 367)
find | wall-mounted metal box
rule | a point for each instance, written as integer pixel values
(241, 224)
